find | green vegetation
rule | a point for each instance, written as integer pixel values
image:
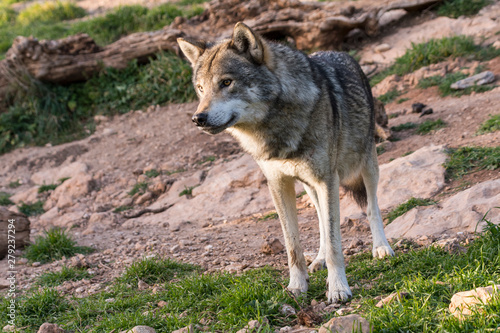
(466, 160)
(269, 216)
(46, 188)
(456, 8)
(15, 184)
(444, 84)
(50, 12)
(53, 279)
(188, 191)
(301, 194)
(407, 206)
(402, 100)
(152, 173)
(156, 270)
(122, 209)
(491, 125)
(434, 51)
(226, 302)
(139, 187)
(53, 245)
(4, 199)
(408, 153)
(168, 173)
(389, 96)
(403, 127)
(380, 150)
(32, 209)
(206, 159)
(430, 125)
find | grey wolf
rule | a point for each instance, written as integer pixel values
(306, 118)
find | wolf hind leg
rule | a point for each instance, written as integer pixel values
(370, 174)
(319, 262)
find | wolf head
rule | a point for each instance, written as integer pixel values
(233, 80)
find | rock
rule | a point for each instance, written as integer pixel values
(144, 198)
(75, 187)
(108, 131)
(391, 16)
(426, 112)
(252, 326)
(21, 226)
(233, 268)
(496, 44)
(478, 79)
(50, 328)
(287, 310)
(27, 196)
(272, 246)
(162, 304)
(52, 176)
(464, 303)
(9, 328)
(382, 48)
(355, 243)
(99, 222)
(141, 329)
(187, 329)
(141, 285)
(460, 212)
(346, 324)
(417, 107)
(391, 298)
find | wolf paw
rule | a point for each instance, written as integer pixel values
(317, 265)
(339, 295)
(382, 251)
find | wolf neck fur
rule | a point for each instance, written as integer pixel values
(279, 136)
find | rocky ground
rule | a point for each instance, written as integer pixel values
(223, 217)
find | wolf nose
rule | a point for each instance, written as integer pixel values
(200, 119)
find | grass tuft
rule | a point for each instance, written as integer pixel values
(15, 184)
(46, 188)
(457, 8)
(389, 96)
(402, 100)
(430, 125)
(403, 127)
(53, 245)
(4, 199)
(45, 305)
(444, 85)
(152, 173)
(490, 125)
(270, 216)
(32, 209)
(465, 160)
(407, 206)
(53, 279)
(156, 270)
(122, 209)
(49, 11)
(188, 191)
(138, 188)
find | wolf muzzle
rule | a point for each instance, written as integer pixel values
(200, 119)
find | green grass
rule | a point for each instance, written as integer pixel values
(403, 127)
(269, 216)
(156, 270)
(58, 114)
(407, 206)
(152, 173)
(46, 188)
(226, 302)
(465, 160)
(53, 279)
(206, 160)
(380, 150)
(430, 125)
(4, 199)
(444, 84)
(53, 245)
(301, 194)
(122, 209)
(456, 8)
(434, 51)
(408, 153)
(139, 187)
(32, 209)
(490, 125)
(50, 12)
(389, 96)
(402, 100)
(188, 190)
(15, 184)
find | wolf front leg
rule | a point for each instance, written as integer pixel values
(283, 194)
(318, 263)
(329, 202)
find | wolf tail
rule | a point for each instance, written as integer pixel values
(357, 190)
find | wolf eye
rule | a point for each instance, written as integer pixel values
(200, 88)
(226, 83)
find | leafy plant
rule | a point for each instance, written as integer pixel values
(15, 184)
(457, 8)
(139, 187)
(46, 188)
(403, 127)
(152, 173)
(490, 125)
(187, 191)
(389, 96)
(407, 206)
(4, 199)
(465, 160)
(32, 209)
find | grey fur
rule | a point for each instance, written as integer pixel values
(302, 118)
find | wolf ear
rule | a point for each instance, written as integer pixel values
(191, 49)
(246, 41)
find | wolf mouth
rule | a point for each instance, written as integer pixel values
(218, 129)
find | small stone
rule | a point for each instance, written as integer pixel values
(36, 264)
(355, 243)
(80, 290)
(478, 79)
(187, 329)
(175, 248)
(208, 248)
(391, 298)
(346, 324)
(142, 285)
(382, 48)
(9, 328)
(287, 310)
(140, 329)
(108, 131)
(343, 311)
(464, 303)
(50, 328)
(161, 304)
(272, 246)
(109, 300)
(235, 267)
